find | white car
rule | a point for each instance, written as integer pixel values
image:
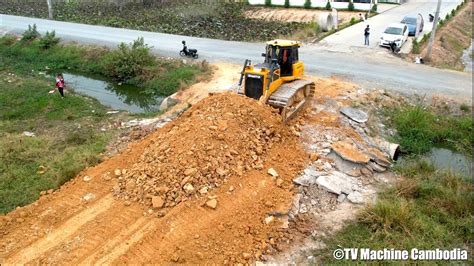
(396, 32)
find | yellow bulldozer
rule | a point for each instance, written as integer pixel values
(279, 80)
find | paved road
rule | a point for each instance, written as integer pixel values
(353, 38)
(373, 71)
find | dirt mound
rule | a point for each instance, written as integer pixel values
(223, 135)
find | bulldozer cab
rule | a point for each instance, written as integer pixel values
(284, 53)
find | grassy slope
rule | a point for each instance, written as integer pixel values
(452, 39)
(427, 210)
(68, 138)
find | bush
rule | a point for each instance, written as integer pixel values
(453, 12)
(30, 34)
(307, 4)
(128, 61)
(415, 49)
(353, 21)
(328, 6)
(447, 17)
(49, 40)
(287, 3)
(350, 6)
(268, 2)
(374, 8)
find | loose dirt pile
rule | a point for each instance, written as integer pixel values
(220, 136)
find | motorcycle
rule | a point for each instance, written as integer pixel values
(188, 52)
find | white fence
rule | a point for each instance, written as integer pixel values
(316, 3)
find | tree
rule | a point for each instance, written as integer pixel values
(287, 3)
(350, 7)
(268, 2)
(307, 4)
(50, 9)
(328, 6)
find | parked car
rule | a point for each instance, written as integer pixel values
(411, 21)
(396, 32)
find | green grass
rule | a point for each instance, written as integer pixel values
(429, 209)
(419, 129)
(68, 138)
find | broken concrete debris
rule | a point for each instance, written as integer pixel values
(355, 114)
(356, 197)
(272, 172)
(350, 152)
(336, 182)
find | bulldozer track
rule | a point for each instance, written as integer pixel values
(291, 97)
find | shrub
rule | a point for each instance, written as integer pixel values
(128, 61)
(447, 17)
(416, 46)
(30, 34)
(440, 23)
(350, 6)
(307, 4)
(353, 21)
(328, 6)
(49, 40)
(374, 8)
(464, 107)
(453, 12)
(287, 3)
(268, 2)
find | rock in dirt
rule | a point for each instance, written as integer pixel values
(269, 219)
(88, 197)
(341, 197)
(279, 182)
(354, 172)
(314, 156)
(309, 177)
(350, 152)
(157, 202)
(212, 203)
(356, 197)
(188, 188)
(376, 167)
(203, 190)
(117, 172)
(87, 178)
(355, 114)
(365, 171)
(336, 182)
(272, 172)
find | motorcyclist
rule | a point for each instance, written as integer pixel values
(185, 48)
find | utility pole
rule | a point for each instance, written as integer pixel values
(433, 31)
(50, 9)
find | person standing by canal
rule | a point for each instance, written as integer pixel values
(366, 35)
(60, 84)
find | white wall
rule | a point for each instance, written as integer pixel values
(314, 3)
